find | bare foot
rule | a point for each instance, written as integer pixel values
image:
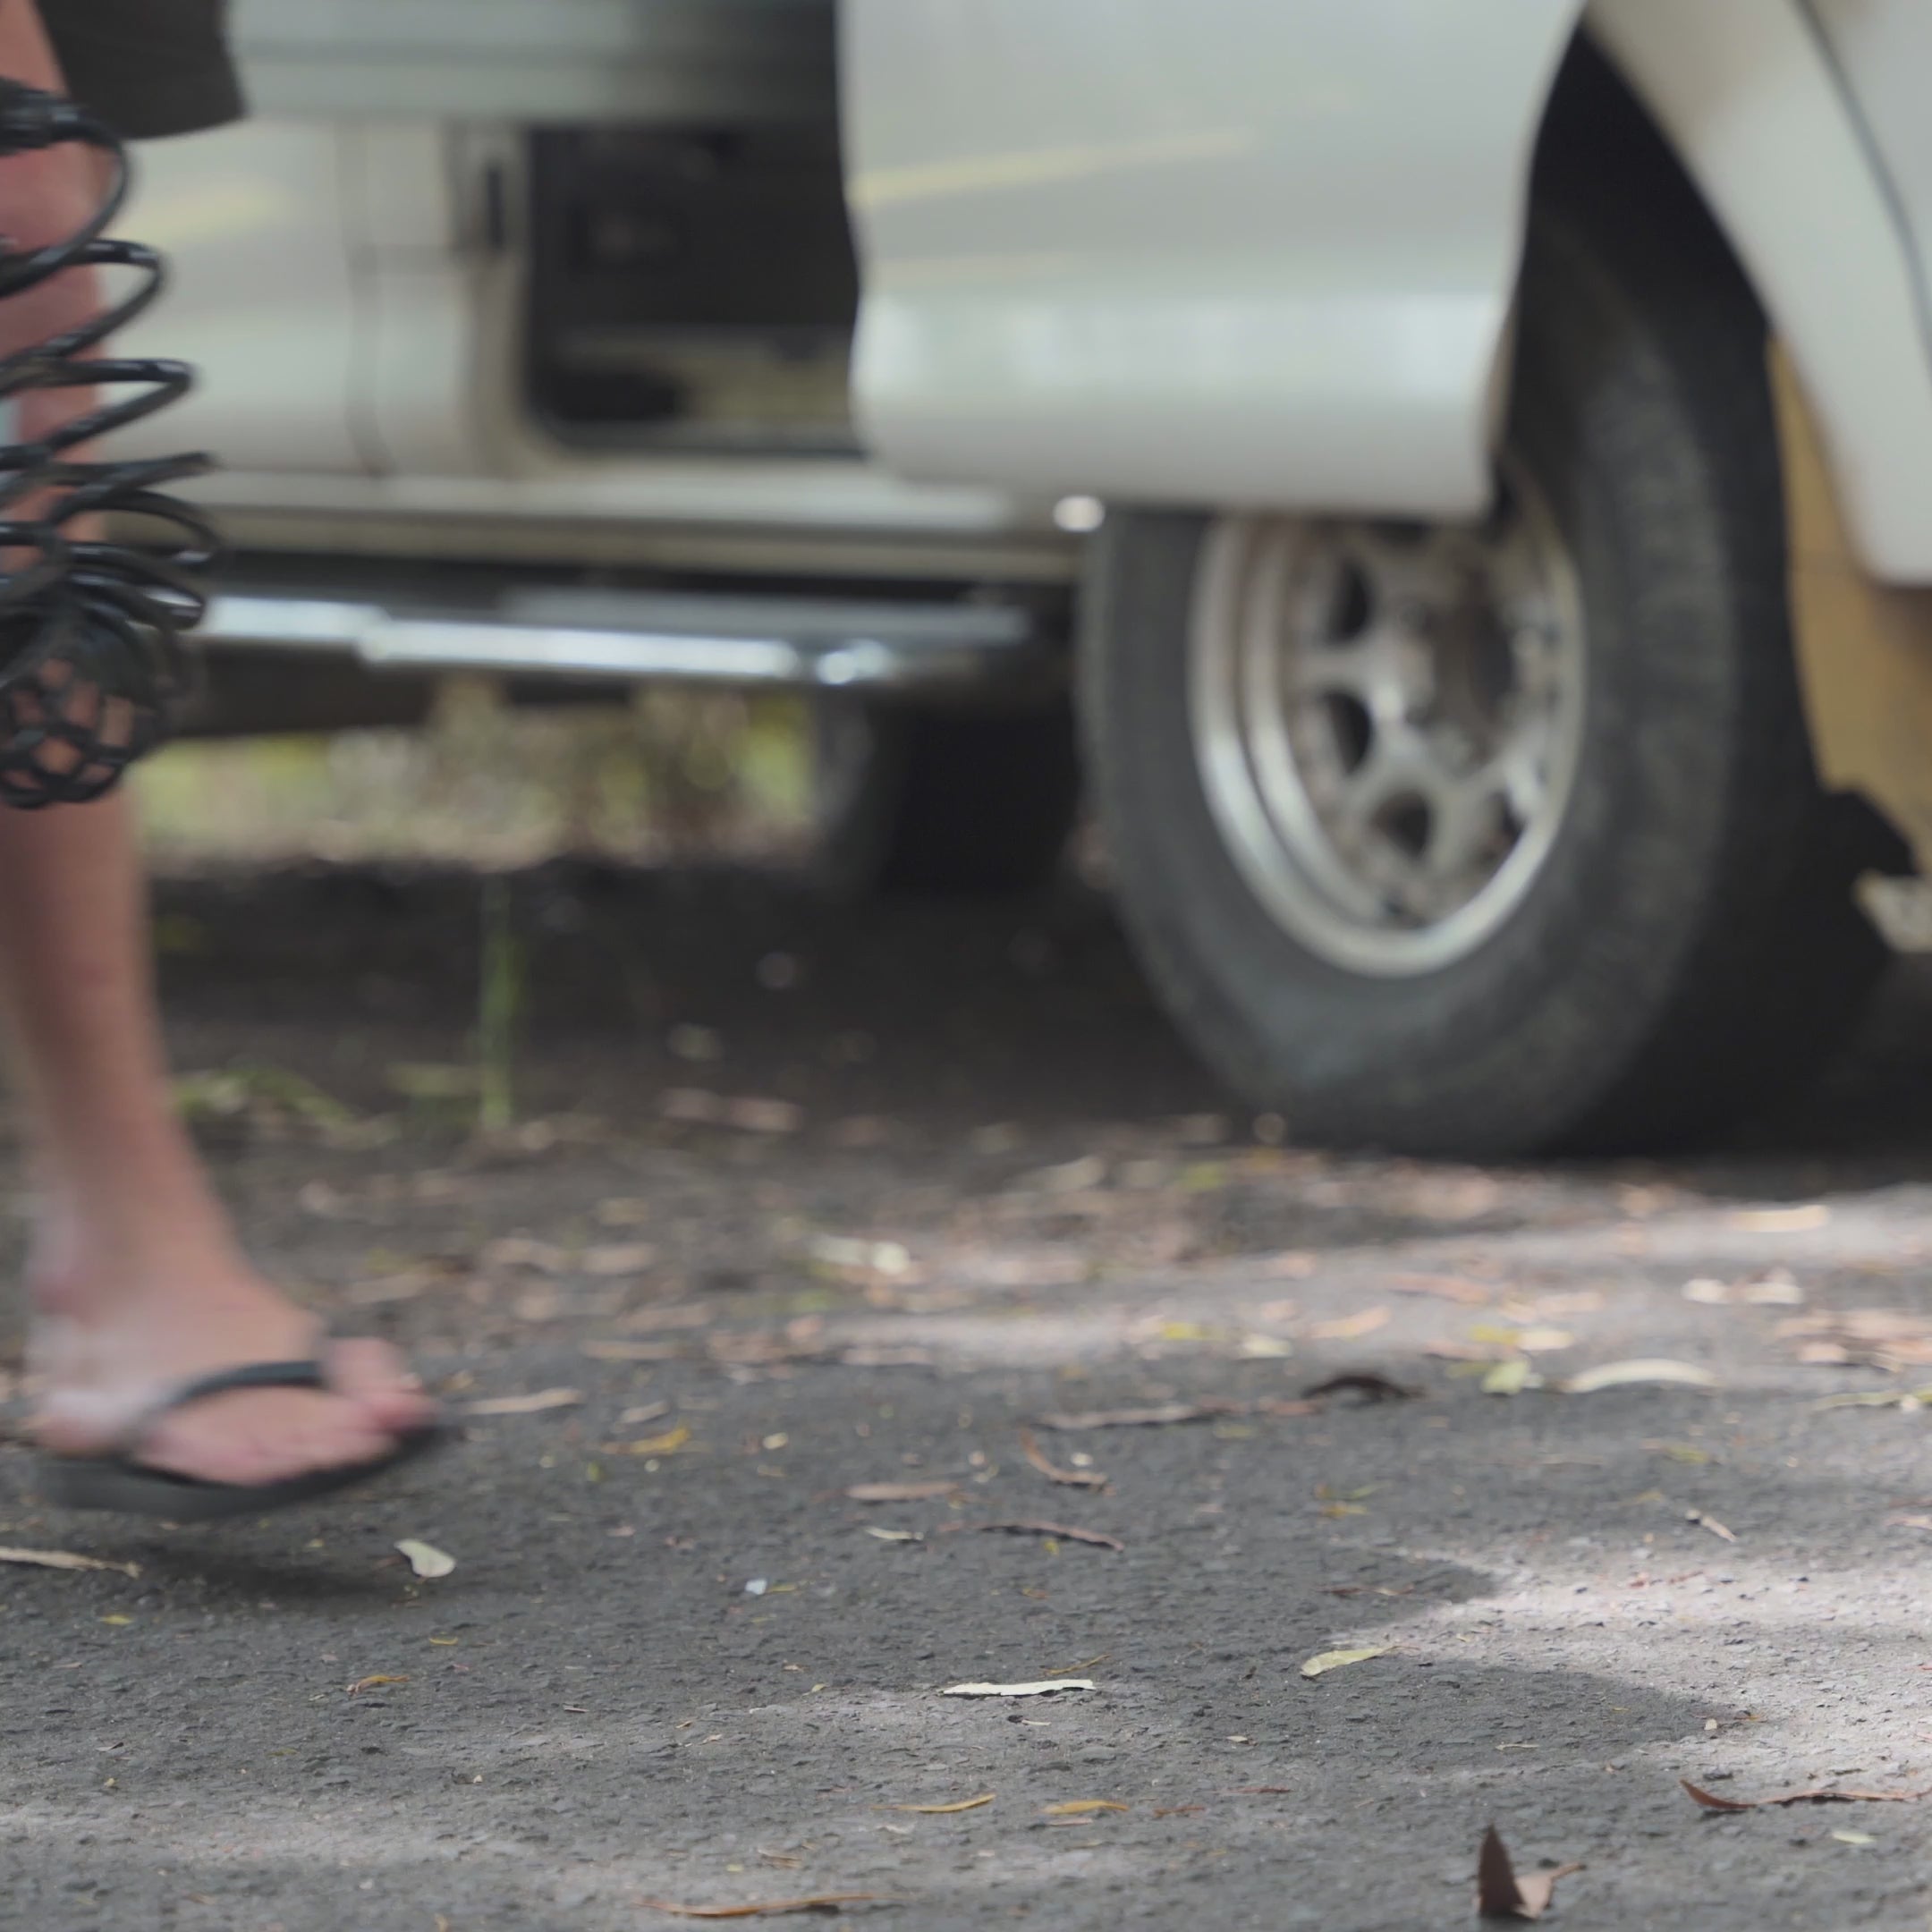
(98, 1372)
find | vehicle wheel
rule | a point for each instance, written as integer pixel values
(1506, 839)
(938, 801)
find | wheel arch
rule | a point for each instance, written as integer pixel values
(1718, 109)
(1744, 96)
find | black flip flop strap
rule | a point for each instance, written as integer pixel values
(303, 1375)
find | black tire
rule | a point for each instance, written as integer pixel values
(1690, 945)
(916, 802)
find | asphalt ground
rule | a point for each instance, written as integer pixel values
(803, 1200)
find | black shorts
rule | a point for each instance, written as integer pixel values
(146, 67)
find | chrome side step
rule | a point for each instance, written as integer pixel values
(606, 635)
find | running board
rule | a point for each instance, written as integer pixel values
(615, 635)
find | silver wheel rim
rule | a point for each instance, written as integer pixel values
(1387, 723)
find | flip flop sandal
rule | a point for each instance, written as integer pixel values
(118, 1482)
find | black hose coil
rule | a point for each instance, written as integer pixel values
(91, 653)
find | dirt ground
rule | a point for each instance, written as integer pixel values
(805, 1197)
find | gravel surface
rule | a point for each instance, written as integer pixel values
(934, 1178)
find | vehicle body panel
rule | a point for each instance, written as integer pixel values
(1233, 253)
(1243, 253)
(534, 60)
(1795, 172)
(1253, 254)
(262, 297)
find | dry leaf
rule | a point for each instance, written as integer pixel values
(1048, 1530)
(963, 1804)
(1907, 1399)
(370, 1684)
(1073, 1478)
(1295, 1264)
(1329, 1660)
(1775, 1288)
(685, 1041)
(388, 1289)
(1073, 1177)
(1711, 1523)
(1181, 1330)
(1451, 1197)
(1781, 1220)
(1351, 1328)
(763, 1346)
(693, 1106)
(1082, 1808)
(672, 1315)
(60, 1559)
(1571, 1301)
(520, 1251)
(541, 1305)
(618, 1258)
(1542, 1341)
(771, 1908)
(1049, 1687)
(668, 1444)
(426, 1559)
(1447, 1287)
(650, 1411)
(1622, 1374)
(1171, 1413)
(633, 1351)
(1826, 1355)
(1500, 1894)
(1816, 1794)
(895, 1536)
(1510, 1377)
(901, 1492)
(1887, 1338)
(534, 1404)
(854, 1254)
(1365, 1383)
(887, 1358)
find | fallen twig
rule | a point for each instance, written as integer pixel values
(818, 1902)
(1072, 1479)
(1816, 1794)
(1161, 1417)
(60, 1559)
(1363, 1382)
(1044, 1530)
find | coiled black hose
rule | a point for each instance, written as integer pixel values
(91, 656)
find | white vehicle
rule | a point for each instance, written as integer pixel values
(1472, 467)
